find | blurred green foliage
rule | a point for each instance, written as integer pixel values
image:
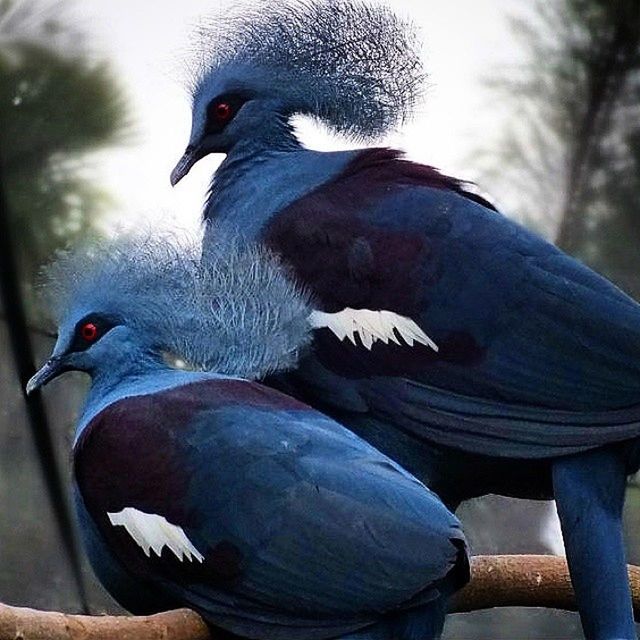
(571, 151)
(56, 105)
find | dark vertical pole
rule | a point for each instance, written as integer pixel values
(23, 357)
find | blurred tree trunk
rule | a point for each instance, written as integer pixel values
(568, 159)
(609, 55)
(56, 105)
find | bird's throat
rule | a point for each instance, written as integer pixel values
(249, 189)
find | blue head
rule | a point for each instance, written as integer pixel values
(140, 303)
(354, 66)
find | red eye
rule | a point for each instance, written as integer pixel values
(89, 331)
(223, 111)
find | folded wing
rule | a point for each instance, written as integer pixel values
(303, 529)
(533, 348)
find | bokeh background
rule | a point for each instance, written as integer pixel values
(538, 103)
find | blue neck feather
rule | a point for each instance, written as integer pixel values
(148, 378)
(255, 182)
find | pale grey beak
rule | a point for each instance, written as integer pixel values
(51, 369)
(190, 157)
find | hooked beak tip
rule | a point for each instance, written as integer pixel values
(184, 165)
(32, 385)
(50, 370)
(175, 177)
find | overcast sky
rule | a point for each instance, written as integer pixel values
(147, 43)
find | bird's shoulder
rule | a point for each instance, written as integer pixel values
(154, 446)
(140, 439)
(414, 277)
(369, 183)
(383, 223)
(388, 233)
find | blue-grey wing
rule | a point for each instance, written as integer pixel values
(327, 524)
(537, 354)
(262, 514)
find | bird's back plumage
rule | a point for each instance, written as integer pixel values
(304, 530)
(537, 354)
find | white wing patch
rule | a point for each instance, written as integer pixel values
(153, 532)
(371, 326)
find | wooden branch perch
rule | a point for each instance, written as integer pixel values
(525, 581)
(497, 581)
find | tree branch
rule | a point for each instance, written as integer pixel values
(17, 623)
(497, 581)
(525, 581)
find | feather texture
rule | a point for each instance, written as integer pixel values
(306, 531)
(152, 532)
(371, 326)
(354, 65)
(233, 310)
